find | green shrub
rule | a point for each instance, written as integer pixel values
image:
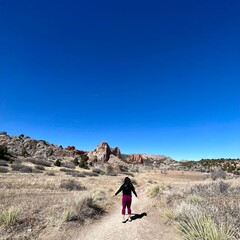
(3, 150)
(9, 216)
(75, 161)
(83, 162)
(57, 163)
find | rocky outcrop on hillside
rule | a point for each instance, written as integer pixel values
(103, 152)
(135, 158)
(27, 147)
(149, 159)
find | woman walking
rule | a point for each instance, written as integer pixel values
(127, 188)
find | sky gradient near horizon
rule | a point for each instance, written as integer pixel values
(157, 77)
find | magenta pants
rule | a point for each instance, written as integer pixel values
(126, 202)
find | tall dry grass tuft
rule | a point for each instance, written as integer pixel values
(9, 216)
(199, 226)
(204, 211)
(83, 209)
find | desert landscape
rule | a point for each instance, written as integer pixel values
(51, 192)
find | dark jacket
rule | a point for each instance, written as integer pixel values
(127, 190)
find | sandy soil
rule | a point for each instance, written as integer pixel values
(141, 228)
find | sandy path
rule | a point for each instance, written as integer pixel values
(148, 227)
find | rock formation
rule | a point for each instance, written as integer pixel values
(103, 152)
(135, 158)
(27, 147)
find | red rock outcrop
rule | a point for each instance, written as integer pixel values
(135, 158)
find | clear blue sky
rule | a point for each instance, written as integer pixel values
(160, 77)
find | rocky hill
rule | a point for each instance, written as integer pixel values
(26, 147)
(22, 146)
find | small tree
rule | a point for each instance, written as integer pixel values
(83, 162)
(75, 161)
(3, 150)
(57, 163)
(21, 136)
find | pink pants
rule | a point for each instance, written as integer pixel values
(126, 202)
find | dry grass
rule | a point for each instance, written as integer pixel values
(204, 211)
(9, 216)
(43, 202)
(51, 212)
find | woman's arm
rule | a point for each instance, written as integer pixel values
(119, 190)
(133, 190)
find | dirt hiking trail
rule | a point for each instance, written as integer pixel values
(150, 227)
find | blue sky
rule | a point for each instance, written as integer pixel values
(158, 77)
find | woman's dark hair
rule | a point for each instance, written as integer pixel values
(127, 181)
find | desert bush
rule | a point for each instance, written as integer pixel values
(3, 163)
(153, 191)
(218, 173)
(168, 214)
(75, 161)
(21, 168)
(83, 209)
(97, 170)
(26, 169)
(41, 162)
(68, 165)
(3, 170)
(77, 174)
(40, 167)
(3, 150)
(57, 163)
(158, 189)
(50, 173)
(192, 198)
(206, 211)
(109, 169)
(90, 174)
(71, 185)
(9, 216)
(67, 170)
(83, 162)
(123, 168)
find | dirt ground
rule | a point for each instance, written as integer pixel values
(42, 203)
